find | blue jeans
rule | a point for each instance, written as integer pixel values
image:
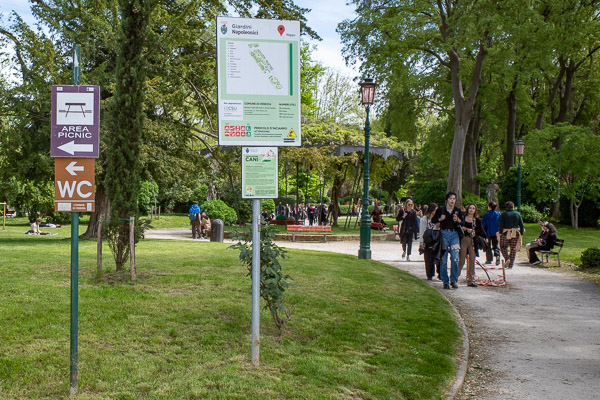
(450, 245)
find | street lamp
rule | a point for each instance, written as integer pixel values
(519, 147)
(367, 87)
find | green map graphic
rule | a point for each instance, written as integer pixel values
(264, 65)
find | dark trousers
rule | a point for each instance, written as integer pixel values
(196, 229)
(492, 246)
(407, 240)
(431, 264)
(533, 247)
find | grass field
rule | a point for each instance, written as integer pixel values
(359, 329)
(576, 241)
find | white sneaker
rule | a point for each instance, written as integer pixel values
(407, 258)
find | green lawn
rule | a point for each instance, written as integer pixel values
(576, 241)
(359, 329)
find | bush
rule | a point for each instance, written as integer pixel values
(273, 281)
(218, 209)
(148, 193)
(590, 258)
(530, 214)
(267, 204)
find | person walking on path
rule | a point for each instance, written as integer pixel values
(510, 230)
(430, 247)
(409, 228)
(489, 222)
(194, 216)
(468, 244)
(449, 218)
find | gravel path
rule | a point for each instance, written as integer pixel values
(538, 337)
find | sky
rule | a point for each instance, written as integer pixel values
(324, 17)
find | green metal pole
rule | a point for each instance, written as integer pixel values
(364, 253)
(519, 186)
(74, 356)
(74, 301)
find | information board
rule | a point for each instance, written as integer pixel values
(260, 173)
(258, 75)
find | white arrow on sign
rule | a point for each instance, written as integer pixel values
(73, 168)
(71, 147)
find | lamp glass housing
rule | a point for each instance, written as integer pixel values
(367, 87)
(519, 147)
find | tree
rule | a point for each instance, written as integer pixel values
(574, 167)
(448, 39)
(126, 122)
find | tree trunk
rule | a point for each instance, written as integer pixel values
(463, 111)
(511, 127)
(335, 197)
(470, 160)
(102, 212)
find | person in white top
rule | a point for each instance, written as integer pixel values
(430, 252)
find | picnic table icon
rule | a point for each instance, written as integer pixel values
(68, 110)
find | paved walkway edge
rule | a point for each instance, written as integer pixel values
(461, 371)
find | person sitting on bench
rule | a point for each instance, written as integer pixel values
(377, 216)
(546, 241)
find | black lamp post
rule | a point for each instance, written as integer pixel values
(519, 147)
(367, 87)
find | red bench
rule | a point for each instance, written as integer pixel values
(375, 225)
(285, 222)
(325, 230)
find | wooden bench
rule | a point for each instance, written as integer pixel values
(554, 252)
(325, 230)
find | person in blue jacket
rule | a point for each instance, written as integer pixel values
(489, 222)
(194, 216)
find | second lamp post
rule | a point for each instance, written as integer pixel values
(519, 147)
(367, 87)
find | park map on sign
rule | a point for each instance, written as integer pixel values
(249, 61)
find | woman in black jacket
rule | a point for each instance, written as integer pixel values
(409, 228)
(546, 241)
(468, 244)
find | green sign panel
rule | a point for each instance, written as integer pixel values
(259, 173)
(258, 75)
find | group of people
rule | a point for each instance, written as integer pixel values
(314, 214)
(200, 222)
(448, 231)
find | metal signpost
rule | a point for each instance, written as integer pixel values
(258, 78)
(75, 143)
(259, 181)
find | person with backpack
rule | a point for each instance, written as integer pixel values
(194, 216)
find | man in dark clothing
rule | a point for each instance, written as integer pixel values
(280, 209)
(510, 228)
(489, 222)
(449, 218)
